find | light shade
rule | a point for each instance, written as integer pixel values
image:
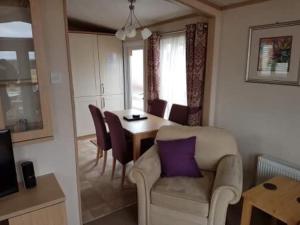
(146, 33)
(120, 34)
(130, 31)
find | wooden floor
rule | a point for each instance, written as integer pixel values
(100, 196)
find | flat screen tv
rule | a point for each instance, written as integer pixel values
(8, 175)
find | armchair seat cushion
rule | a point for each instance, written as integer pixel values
(184, 194)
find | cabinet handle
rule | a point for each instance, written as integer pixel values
(101, 103)
(104, 102)
(102, 88)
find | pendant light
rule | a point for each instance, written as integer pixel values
(129, 29)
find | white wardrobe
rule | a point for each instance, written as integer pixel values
(97, 73)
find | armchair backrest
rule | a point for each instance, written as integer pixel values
(212, 144)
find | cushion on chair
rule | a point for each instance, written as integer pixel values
(184, 194)
(212, 144)
(178, 157)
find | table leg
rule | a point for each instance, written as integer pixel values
(136, 147)
(247, 213)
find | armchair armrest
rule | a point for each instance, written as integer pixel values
(230, 176)
(227, 188)
(148, 166)
(145, 172)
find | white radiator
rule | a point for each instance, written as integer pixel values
(268, 167)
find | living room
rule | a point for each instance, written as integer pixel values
(261, 113)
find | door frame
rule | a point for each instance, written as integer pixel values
(215, 22)
(131, 45)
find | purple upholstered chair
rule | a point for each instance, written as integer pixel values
(158, 107)
(103, 142)
(179, 114)
(121, 148)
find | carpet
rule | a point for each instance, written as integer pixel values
(101, 196)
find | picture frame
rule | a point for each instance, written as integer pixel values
(274, 54)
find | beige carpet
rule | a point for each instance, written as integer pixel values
(101, 196)
(128, 216)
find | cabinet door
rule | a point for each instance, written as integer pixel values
(84, 64)
(84, 120)
(24, 80)
(112, 103)
(53, 215)
(111, 65)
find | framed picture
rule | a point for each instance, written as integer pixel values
(274, 54)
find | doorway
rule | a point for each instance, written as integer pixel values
(96, 62)
(134, 75)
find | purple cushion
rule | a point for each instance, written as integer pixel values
(178, 158)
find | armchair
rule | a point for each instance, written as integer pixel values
(190, 201)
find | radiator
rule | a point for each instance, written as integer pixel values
(268, 167)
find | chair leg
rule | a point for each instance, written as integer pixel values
(99, 155)
(123, 175)
(113, 168)
(104, 162)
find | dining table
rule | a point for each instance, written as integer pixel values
(141, 129)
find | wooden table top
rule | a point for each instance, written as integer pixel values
(152, 123)
(281, 203)
(46, 193)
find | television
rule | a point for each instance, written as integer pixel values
(8, 175)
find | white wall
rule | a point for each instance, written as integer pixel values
(58, 155)
(264, 118)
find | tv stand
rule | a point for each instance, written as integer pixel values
(44, 204)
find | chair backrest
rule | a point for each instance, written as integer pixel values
(212, 144)
(158, 107)
(101, 132)
(117, 136)
(179, 114)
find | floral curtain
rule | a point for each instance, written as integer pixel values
(196, 46)
(153, 62)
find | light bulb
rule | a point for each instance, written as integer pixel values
(130, 31)
(146, 33)
(120, 34)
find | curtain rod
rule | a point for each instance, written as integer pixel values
(173, 32)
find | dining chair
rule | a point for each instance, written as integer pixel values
(158, 107)
(121, 147)
(103, 141)
(179, 114)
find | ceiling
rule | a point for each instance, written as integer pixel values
(113, 13)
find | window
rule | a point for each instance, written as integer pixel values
(136, 61)
(173, 70)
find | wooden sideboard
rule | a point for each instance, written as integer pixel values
(42, 205)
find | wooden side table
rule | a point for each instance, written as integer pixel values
(283, 203)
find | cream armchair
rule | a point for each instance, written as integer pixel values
(190, 201)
